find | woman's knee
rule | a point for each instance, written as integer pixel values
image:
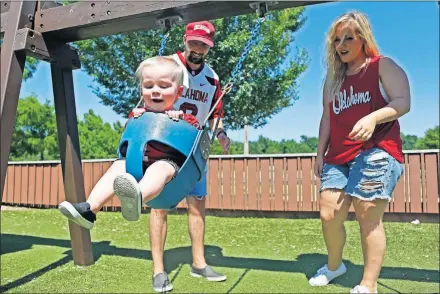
(329, 216)
(369, 213)
(333, 206)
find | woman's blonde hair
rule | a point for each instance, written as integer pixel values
(176, 74)
(336, 69)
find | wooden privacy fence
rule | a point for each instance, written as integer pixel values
(256, 183)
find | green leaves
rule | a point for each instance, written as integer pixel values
(35, 134)
(431, 140)
(98, 139)
(267, 83)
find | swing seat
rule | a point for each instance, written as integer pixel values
(194, 144)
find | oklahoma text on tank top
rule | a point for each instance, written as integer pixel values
(359, 96)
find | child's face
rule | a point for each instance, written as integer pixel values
(159, 90)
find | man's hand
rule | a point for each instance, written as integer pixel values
(224, 141)
(175, 114)
(138, 112)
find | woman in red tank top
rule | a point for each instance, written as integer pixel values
(359, 156)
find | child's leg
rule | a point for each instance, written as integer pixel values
(132, 194)
(155, 178)
(103, 190)
(84, 213)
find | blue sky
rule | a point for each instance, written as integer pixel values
(408, 32)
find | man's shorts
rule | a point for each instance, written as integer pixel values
(200, 190)
(370, 175)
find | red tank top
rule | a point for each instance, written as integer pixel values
(359, 96)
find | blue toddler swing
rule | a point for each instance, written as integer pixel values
(194, 144)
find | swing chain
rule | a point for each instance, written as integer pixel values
(228, 87)
(163, 42)
(251, 42)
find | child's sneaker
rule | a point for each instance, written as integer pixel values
(79, 213)
(361, 289)
(127, 189)
(325, 276)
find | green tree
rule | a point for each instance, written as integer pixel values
(310, 144)
(267, 85)
(431, 140)
(97, 138)
(264, 146)
(35, 135)
(408, 141)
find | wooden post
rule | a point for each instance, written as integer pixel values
(68, 139)
(12, 67)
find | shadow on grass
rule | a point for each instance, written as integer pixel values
(306, 264)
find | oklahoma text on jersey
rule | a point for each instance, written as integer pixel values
(201, 91)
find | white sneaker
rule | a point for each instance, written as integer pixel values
(325, 276)
(127, 189)
(361, 289)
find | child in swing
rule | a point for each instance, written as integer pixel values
(161, 81)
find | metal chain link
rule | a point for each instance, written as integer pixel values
(228, 87)
(251, 42)
(163, 43)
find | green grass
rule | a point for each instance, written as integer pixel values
(258, 256)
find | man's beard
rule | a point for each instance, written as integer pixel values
(195, 60)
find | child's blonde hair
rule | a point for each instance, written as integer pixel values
(176, 74)
(336, 69)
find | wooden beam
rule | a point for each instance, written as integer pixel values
(5, 6)
(4, 21)
(92, 19)
(68, 140)
(35, 45)
(12, 67)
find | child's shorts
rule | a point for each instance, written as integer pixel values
(145, 164)
(372, 174)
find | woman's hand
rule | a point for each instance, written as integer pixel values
(363, 129)
(319, 164)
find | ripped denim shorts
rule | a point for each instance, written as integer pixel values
(370, 175)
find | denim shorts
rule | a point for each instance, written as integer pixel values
(372, 174)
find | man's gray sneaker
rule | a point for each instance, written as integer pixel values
(207, 273)
(161, 283)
